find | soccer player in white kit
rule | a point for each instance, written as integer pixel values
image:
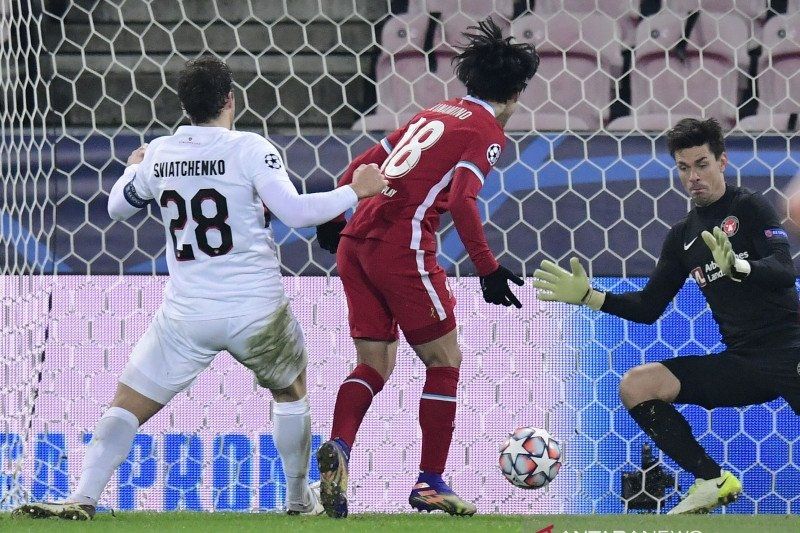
(225, 290)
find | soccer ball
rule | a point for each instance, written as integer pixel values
(530, 458)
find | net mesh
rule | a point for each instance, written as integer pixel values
(585, 172)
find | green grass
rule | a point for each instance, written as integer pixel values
(242, 523)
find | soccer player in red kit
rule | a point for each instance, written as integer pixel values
(387, 258)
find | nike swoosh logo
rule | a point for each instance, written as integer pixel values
(689, 244)
(720, 485)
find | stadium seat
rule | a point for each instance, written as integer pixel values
(5, 10)
(624, 12)
(404, 81)
(665, 88)
(500, 10)
(579, 60)
(408, 78)
(456, 17)
(751, 9)
(751, 12)
(778, 79)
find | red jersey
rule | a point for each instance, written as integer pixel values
(435, 163)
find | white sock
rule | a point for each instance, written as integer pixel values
(110, 445)
(292, 422)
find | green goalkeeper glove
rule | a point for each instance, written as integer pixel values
(558, 285)
(722, 251)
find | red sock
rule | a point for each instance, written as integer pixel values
(354, 398)
(437, 415)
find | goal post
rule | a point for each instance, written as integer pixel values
(84, 82)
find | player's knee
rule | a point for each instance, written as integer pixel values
(451, 357)
(378, 355)
(652, 381)
(294, 392)
(633, 388)
(455, 359)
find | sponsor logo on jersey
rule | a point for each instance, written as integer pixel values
(189, 140)
(775, 232)
(730, 225)
(798, 368)
(273, 161)
(493, 153)
(712, 271)
(699, 277)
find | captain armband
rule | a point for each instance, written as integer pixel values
(133, 198)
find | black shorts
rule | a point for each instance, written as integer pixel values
(736, 378)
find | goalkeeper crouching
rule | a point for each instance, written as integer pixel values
(731, 243)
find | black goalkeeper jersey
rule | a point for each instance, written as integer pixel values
(759, 311)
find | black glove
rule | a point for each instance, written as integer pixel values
(495, 287)
(328, 234)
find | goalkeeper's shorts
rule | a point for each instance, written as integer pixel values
(173, 352)
(736, 378)
(388, 284)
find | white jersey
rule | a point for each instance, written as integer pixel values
(212, 185)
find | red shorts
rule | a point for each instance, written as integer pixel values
(389, 284)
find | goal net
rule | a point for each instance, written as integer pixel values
(585, 172)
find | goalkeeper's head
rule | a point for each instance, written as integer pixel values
(493, 68)
(698, 147)
(205, 91)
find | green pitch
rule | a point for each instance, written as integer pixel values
(260, 523)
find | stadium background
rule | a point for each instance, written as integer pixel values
(86, 82)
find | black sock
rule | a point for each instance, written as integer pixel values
(672, 434)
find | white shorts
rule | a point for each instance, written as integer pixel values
(172, 352)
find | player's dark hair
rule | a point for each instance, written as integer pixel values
(203, 88)
(491, 66)
(691, 132)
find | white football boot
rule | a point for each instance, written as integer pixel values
(708, 494)
(314, 508)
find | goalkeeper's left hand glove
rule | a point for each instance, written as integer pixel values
(495, 287)
(559, 285)
(722, 251)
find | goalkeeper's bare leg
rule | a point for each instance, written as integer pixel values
(110, 445)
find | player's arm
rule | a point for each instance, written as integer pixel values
(468, 177)
(377, 154)
(129, 194)
(775, 268)
(301, 210)
(328, 233)
(645, 306)
(466, 184)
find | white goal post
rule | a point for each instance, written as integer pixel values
(585, 172)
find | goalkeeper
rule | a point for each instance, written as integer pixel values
(732, 245)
